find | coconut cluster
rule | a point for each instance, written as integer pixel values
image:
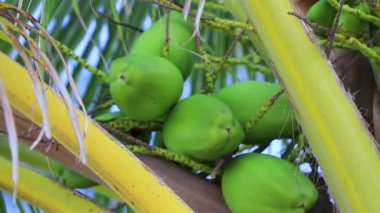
(146, 86)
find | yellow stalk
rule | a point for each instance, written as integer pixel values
(341, 143)
(118, 167)
(43, 192)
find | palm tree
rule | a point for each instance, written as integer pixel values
(73, 56)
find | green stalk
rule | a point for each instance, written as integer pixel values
(239, 12)
(3, 208)
(333, 126)
(42, 164)
(26, 155)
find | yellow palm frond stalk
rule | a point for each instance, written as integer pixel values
(115, 165)
(44, 192)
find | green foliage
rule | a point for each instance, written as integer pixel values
(70, 178)
(3, 208)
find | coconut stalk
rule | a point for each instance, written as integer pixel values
(336, 132)
(117, 167)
